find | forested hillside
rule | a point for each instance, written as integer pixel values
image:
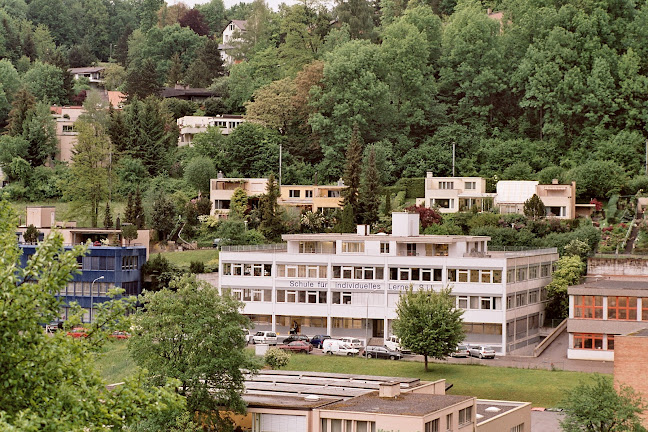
(538, 90)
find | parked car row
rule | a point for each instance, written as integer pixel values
(480, 351)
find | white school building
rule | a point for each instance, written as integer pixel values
(349, 284)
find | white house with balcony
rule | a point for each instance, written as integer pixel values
(350, 284)
(231, 39)
(191, 125)
(454, 194)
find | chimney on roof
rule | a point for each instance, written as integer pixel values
(220, 175)
(363, 230)
(430, 174)
(389, 389)
(554, 181)
(340, 182)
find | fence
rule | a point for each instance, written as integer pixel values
(278, 247)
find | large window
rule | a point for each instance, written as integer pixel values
(128, 262)
(590, 307)
(341, 297)
(415, 274)
(446, 185)
(294, 193)
(240, 269)
(470, 185)
(465, 415)
(105, 263)
(588, 341)
(353, 247)
(357, 272)
(622, 308)
(384, 247)
(301, 271)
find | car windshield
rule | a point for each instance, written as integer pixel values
(487, 348)
(461, 347)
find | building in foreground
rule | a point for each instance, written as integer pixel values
(286, 401)
(110, 261)
(349, 284)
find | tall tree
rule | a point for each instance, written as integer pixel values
(207, 66)
(143, 80)
(139, 218)
(36, 365)
(358, 14)
(351, 176)
(369, 197)
(39, 129)
(45, 82)
(208, 358)
(195, 21)
(271, 224)
(534, 208)
(597, 407)
(163, 216)
(22, 104)
(88, 183)
(428, 323)
(108, 220)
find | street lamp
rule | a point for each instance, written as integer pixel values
(92, 295)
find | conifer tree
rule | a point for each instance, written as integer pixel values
(143, 81)
(108, 221)
(388, 207)
(23, 103)
(351, 176)
(138, 210)
(129, 213)
(534, 207)
(370, 190)
(271, 225)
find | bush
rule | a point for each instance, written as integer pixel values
(413, 187)
(276, 358)
(197, 267)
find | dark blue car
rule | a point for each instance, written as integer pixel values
(318, 340)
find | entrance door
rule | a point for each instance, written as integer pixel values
(378, 328)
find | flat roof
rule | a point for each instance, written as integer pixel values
(501, 408)
(639, 333)
(611, 283)
(412, 404)
(438, 239)
(291, 402)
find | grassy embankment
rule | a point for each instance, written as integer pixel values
(542, 388)
(184, 258)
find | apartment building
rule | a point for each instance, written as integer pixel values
(222, 188)
(559, 199)
(110, 261)
(191, 125)
(312, 197)
(288, 401)
(455, 194)
(349, 284)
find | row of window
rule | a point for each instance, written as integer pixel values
(339, 425)
(107, 263)
(593, 341)
(84, 288)
(237, 269)
(477, 302)
(475, 276)
(535, 271)
(524, 298)
(618, 308)
(296, 193)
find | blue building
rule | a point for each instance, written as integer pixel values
(108, 263)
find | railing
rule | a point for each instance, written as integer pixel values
(522, 250)
(549, 339)
(278, 247)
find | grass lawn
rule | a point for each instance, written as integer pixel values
(542, 388)
(184, 258)
(115, 364)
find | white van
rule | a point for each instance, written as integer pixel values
(352, 342)
(337, 347)
(393, 343)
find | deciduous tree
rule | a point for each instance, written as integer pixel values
(191, 333)
(428, 323)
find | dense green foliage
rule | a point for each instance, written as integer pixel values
(49, 382)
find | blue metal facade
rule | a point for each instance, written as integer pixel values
(120, 266)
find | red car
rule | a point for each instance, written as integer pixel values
(120, 335)
(78, 332)
(297, 346)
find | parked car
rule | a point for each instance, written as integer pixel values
(318, 340)
(393, 343)
(460, 351)
(373, 351)
(293, 338)
(482, 351)
(265, 337)
(337, 347)
(297, 346)
(352, 342)
(78, 332)
(119, 335)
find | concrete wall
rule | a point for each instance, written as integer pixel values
(617, 266)
(508, 419)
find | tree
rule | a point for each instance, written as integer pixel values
(238, 203)
(207, 66)
(22, 104)
(597, 407)
(534, 208)
(428, 323)
(569, 272)
(31, 234)
(108, 220)
(142, 80)
(45, 82)
(88, 184)
(199, 172)
(271, 225)
(427, 216)
(351, 176)
(191, 333)
(129, 232)
(163, 216)
(39, 129)
(370, 190)
(36, 365)
(138, 210)
(195, 21)
(358, 14)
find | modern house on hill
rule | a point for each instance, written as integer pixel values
(191, 125)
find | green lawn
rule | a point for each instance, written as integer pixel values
(115, 363)
(184, 258)
(542, 388)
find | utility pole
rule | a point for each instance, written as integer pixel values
(453, 158)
